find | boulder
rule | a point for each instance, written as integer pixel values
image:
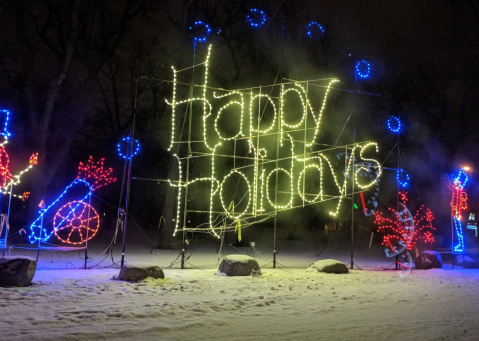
(17, 271)
(465, 262)
(239, 265)
(329, 266)
(429, 260)
(136, 271)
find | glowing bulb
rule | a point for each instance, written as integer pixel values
(256, 17)
(394, 124)
(363, 69)
(124, 145)
(200, 31)
(314, 30)
(247, 139)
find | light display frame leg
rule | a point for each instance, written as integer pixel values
(352, 201)
(395, 264)
(87, 230)
(452, 237)
(397, 190)
(187, 176)
(274, 239)
(7, 226)
(4, 227)
(127, 194)
(39, 239)
(352, 212)
(278, 142)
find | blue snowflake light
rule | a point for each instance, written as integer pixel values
(394, 124)
(200, 31)
(363, 69)
(402, 177)
(122, 147)
(256, 17)
(314, 30)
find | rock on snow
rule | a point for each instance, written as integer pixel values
(136, 271)
(17, 271)
(239, 265)
(329, 266)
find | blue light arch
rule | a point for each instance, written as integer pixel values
(256, 17)
(314, 30)
(402, 178)
(200, 31)
(363, 69)
(394, 124)
(122, 147)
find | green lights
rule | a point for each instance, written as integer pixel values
(269, 160)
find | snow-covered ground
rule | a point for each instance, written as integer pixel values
(66, 302)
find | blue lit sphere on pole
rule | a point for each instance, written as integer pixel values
(123, 145)
(314, 30)
(402, 177)
(394, 124)
(200, 31)
(363, 69)
(256, 17)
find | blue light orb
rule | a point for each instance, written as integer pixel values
(394, 124)
(200, 31)
(314, 30)
(402, 177)
(256, 17)
(363, 69)
(123, 145)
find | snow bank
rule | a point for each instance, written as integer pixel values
(282, 304)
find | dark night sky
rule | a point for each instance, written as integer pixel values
(411, 30)
(418, 36)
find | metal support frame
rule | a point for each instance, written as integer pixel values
(127, 195)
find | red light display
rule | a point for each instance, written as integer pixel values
(404, 229)
(94, 173)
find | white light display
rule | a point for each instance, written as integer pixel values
(237, 143)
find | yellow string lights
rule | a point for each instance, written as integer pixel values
(278, 147)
